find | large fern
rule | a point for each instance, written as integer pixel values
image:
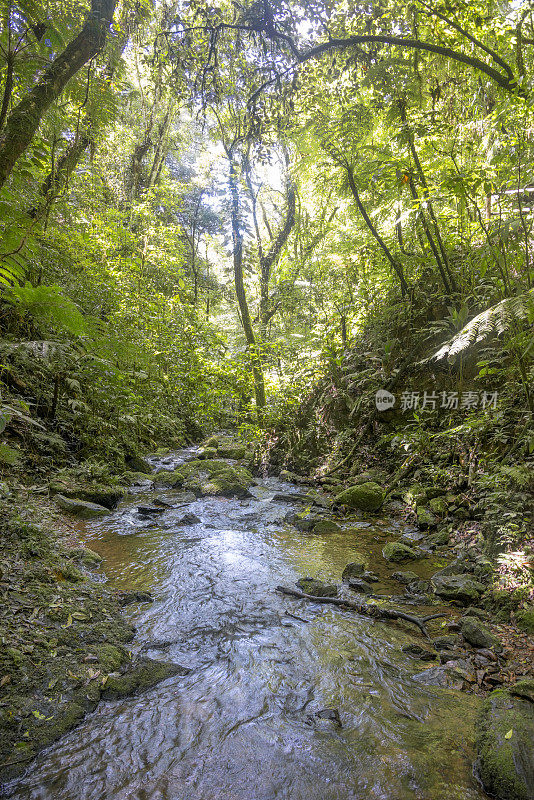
(493, 321)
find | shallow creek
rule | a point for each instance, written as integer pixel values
(243, 725)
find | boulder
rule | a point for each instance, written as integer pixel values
(525, 619)
(477, 635)
(354, 569)
(316, 587)
(212, 442)
(207, 452)
(425, 518)
(137, 464)
(416, 650)
(236, 451)
(210, 477)
(397, 551)
(81, 508)
(523, 688)
(462, 588)
(505, 735)
(188, 519)
(101, 494)
(360, 585)
(364, 496)
(326, 526)
(438, 505)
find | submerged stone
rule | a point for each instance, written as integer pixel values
(405, 576)
(316, 587)
(505, 746)
(364, 496)
(397, 551)
(354, 569)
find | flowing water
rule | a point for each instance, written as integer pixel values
(246, 723)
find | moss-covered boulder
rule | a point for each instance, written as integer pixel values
(210, 477)
(80, 508)
(398, 551)
(207, 453)
(135, 463)
(139, 675)
(405, 576)
(212, 442)
(477, 635)
(85, 557)
(525, 619)
(461, 588)
(99, 493)
(354, 569)
(438, 505)
(231, 450)
(505, 749)
(363, 496)
(425, 518)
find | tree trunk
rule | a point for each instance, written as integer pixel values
(237, 242)
(24, 120)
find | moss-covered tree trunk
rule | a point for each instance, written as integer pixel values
(24, 120)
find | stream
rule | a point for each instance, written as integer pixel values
(285, 698)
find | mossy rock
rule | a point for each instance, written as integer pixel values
(326, 526)
(110, 657)
(139, 675)
(236, 451)
(80, 508)
(415, 495)
(505, 737)
(425, 518)
(461, 588)
(101, 494)
(211, 477)
(137, 464)
(477, 635)
(207, 453)
(525, 619)
(438, 505)
(317, 588)
(85, 556)
(354, 569)
(397, 551)
(212, 442)
(524, 688)
(363, 496)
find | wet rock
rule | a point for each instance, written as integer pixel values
(316, 587)
(397, 551)
(163, 503)
(85, 556)
(445, 642)
(80, 508)
(477, 635)
(138, 675)
(326, 526)
(425, 518)
(125, 598)
(359, 585)
(405, 576)
(458, 567)
(331, 714)
(101, 494)
(416, 650)
(461, 588)
(188, 519)
(505, 735)
(210, 477)
(150, 510)
(185, 497)
(354, 569)
(364, 496)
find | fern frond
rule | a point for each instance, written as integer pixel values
(493, 321)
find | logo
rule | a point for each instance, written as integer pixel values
(384, 400)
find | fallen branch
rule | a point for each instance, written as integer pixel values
(365, 608)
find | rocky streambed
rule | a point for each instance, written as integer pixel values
(262, 695)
